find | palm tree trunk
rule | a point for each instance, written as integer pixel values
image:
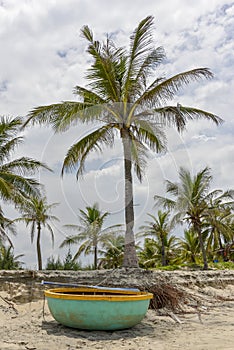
(39, 258)
(164, 263)
(95, 257)
(130, 257)
(197, 228)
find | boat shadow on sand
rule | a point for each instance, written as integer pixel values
(52, 328)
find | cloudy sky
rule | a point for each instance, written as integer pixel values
(43, 57)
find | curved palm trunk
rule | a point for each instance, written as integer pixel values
(39, 258)
(130, 257)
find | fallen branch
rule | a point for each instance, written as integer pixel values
(11, 305)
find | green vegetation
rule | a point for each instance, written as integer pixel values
(67, 264)
(8, 261)
(113, 252)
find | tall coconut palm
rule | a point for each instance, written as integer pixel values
(159, 227)
(37, 214)
(191, 202)
(91, 232)
(124, 99)
(15, 183)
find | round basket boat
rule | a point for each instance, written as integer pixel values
(95, 309)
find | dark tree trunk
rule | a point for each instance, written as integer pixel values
(164, 262)
(39, 258)
(95, 257)
(130, 256)
(221, 248)
(197, 227)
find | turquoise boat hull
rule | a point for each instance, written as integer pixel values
(92, 309)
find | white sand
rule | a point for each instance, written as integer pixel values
(24, 327)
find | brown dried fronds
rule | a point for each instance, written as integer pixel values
(168, 296)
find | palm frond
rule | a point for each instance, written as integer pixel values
(150, 133)
(69, 241)
(50, 229)
(105, 71)
(60, 115)
(88, 96)
(140, 47)
(157, 94)
(179, 116)
(23, 166)
(164, 202)
(8, 146)
(139, 155)
(154, 58)
(80, 150)
(9, 127)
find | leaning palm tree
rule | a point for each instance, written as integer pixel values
(15, 183)
(124, 99)
(37, 214)
(91, 232)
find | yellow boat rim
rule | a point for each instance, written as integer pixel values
(96, 294)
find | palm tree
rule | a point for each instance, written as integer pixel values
(6, 226)
(113, 252)
(218, 220)
(192, 202)
(8, 261)
(36, 213)
(123, 99)
(15, 185)
(148, 256)
(90, 232)
(151, 254)
(159, 228)
(189, 247)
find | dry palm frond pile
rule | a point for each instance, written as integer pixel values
(168, 296)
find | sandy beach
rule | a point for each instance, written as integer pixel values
(210, 327)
